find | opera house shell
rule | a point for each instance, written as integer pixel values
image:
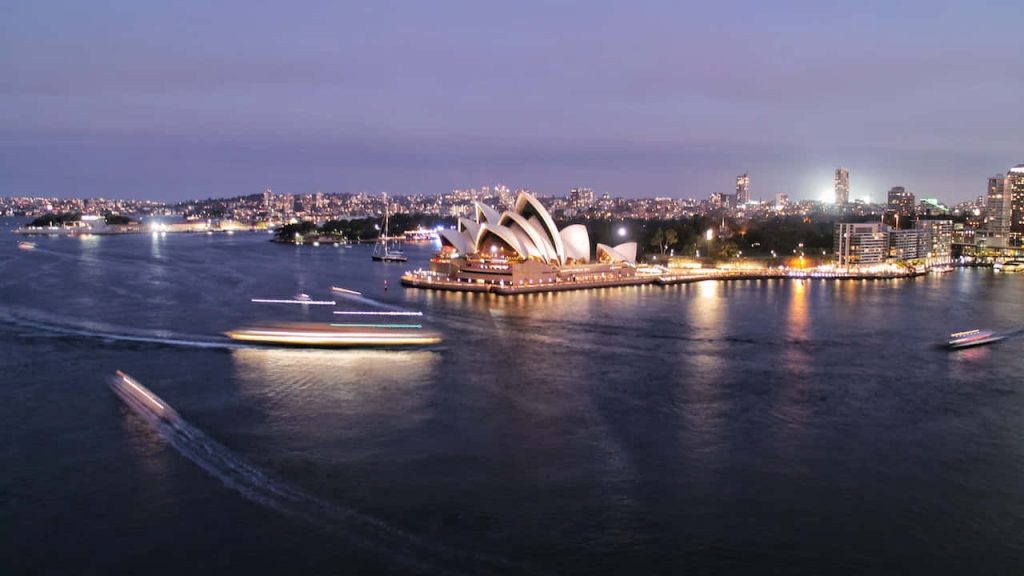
(528, 233)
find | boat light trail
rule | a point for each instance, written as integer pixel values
(345, 290)
(378, 325)
(375, 313)
(310, 302)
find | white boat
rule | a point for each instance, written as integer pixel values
(384, 250)
(26, 245)
(420, 235)
(970, 338)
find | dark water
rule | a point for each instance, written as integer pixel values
(744, 427)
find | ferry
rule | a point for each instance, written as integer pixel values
(310, 334)
(970, 338)
(420, 235)
(1009, 266)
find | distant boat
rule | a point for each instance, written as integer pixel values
(384, 250)
(1009, 266)
(970, 338)
(420, 235)
(26, 245)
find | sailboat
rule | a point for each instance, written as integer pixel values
(384, 251)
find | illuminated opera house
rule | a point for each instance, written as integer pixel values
(522, 250)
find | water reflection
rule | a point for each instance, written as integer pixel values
(314, 390)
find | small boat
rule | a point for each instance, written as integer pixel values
(141, 398)
(970, 338)
(345, 291)
(26, 245)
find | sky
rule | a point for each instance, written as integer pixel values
(178, 100)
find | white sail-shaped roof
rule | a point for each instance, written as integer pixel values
(537, 238)
(485, 213)
(471, 227)
(625, 252)
(507, 236)
(528, 205)
(456, 239)
(577, 242)
(537, 225)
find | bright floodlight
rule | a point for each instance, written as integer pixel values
(622, 231)
(710, 234)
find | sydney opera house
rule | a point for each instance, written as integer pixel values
(522, 250)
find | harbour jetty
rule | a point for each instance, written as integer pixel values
(434, 281)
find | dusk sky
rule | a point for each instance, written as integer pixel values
(172, 101)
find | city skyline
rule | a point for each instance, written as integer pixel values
(634, 101)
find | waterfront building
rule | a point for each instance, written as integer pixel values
(860, 243)
(742, 189)
(997, 211)
(842, 186)
(936, 240)
(1014, 188)
(904, 244)
(522, 248)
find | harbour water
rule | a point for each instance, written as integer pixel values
(798, 427)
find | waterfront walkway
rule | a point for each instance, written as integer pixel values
(433, 281)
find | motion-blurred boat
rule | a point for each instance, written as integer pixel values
(970, 338)
(141, 398)
(333, 336)
(26, 245)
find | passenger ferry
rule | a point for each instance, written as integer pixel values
(970, 338)
(421, 235)
(310, 334)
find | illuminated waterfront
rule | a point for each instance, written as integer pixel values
(748, 426)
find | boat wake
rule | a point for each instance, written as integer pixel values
(116, 334)
(372, 534)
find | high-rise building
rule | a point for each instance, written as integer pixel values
(581, 198)
(900, 201)
(997, 207)
(842, 186)
(1014, 187)
(742, 189)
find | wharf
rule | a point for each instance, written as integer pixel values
(426, 280)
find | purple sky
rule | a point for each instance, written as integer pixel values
(130, 99)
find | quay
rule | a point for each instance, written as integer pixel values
(433, 281)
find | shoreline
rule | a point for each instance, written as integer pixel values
(423, 280)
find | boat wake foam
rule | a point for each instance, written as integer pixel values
(115, 334)
(372, 534)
